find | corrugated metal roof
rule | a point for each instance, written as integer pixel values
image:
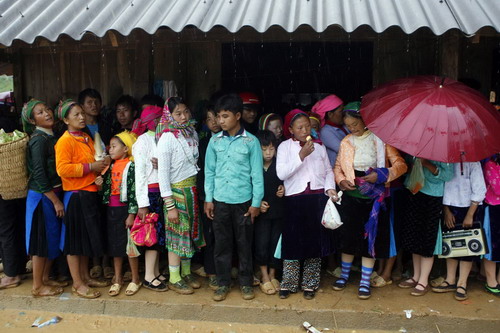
(28, 19)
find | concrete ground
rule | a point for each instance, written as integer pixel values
(149, 311)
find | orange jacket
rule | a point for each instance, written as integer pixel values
(387, 156)
(72, 153)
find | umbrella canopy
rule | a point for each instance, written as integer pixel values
(434, 118)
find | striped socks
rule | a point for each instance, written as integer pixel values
(346, 269)
(366, 273)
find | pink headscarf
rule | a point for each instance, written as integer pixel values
(147, 120)
(325, 105)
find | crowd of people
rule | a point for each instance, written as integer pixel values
(241, 195)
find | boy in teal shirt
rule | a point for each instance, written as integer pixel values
(234, 188)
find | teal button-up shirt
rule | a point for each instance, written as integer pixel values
(434, 184)
(233, 169)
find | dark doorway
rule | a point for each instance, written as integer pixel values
(290, 74)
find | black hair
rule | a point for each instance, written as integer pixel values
(152, 100)
(127, 100)
(229, 102)
(267, 138)
(352, 114)
(89, 92)
(173, 102)
(297, 116)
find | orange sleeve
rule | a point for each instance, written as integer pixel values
(337, 169)
(397, 164)
(65, 152)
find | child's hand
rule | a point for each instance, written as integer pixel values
(333, 195)
(346, 185)
(264, 207)
(173, 216)
(209, 209)
(99, 181)
(281, 191)
(468, 221)
(449, 218)
(154, 161)
(142, 213)
(253, 212)
(129, 222)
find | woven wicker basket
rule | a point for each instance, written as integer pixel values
(13, 170)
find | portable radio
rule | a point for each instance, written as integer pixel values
(464, 243)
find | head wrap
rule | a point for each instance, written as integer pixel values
(315, 116)
(27, 113)
(325, 105)
(265, 119)
(147, 120)
(64, 107)
(168, 124)
(128, 139)
(352, 107)
(289, 118)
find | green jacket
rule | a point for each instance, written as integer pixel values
(41, 159)
(131, 199)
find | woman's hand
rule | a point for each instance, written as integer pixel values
(98, 166)
(333, 195)
(449, 218)
(306, 150)
(142, 212)
(371, 177)
(173, 216)
(129, 222)
(281, 191)
(346, 185)
(264, 207)
(59, 208)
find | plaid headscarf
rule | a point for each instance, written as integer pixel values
(63, 108)
(168, 124)
(27, 113)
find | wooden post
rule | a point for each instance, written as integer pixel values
(450, 54)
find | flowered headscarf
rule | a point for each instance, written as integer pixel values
(168, 124)
(147, 120)
(64, 107)
(27, 113)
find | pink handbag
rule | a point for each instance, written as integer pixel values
(143, 233)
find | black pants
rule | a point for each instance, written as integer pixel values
(208, 250)
(230, 225)
(12, 236)
(267, 234)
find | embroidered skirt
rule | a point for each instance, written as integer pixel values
(186, 237)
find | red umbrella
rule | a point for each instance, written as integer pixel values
(434, 118)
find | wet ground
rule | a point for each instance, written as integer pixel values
(149, 311)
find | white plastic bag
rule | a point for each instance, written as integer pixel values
(331, 217)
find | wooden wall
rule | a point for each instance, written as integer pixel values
(116, 64)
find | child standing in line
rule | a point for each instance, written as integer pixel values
(177, 156)
(268, 225)
(462, 198)
(234, 187)
(147, 191)
(44, 208)
(492, 224)
(304, 167)
(210, 120)
(118, 189)
(81, 237)
(272, 122)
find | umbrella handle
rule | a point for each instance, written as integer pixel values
(442, 82)
(462, 154)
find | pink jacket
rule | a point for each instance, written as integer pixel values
(492, 178)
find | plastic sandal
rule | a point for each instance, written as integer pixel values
(108, 272)
(267, 288)
(339, 284)
(493, 290)
(461, 296)
(89, 294)
(364, 292)
(53, 291)
(115, 289)
(96, 272)
(132, 288)
(445, 287)
(418, 292)
(276, 284)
